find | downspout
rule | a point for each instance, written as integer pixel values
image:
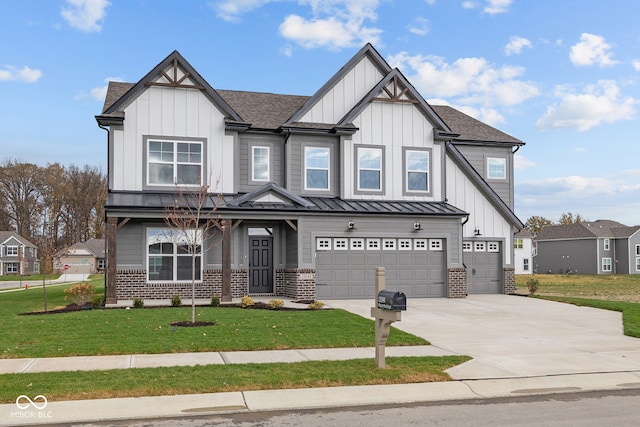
(462, 225)
(104, 300)
(285, 181)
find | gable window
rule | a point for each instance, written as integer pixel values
(316, 168)
(517, 243)
(606, 264)
(496, 168)
(169, 254)
(607, 244)
(174, 163)
(369, 169)
(260, 163)
(12, 251)
(417, 170)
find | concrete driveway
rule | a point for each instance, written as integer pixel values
(513, 336)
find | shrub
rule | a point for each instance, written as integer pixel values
(532, 284)
(275, 304)
(316, 305)
(246, 302)
(215, 300)
(176, 301)
(80, 294)
(96, 301)
(138, 303)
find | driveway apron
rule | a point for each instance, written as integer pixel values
(513, 336)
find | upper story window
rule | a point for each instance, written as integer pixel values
(517, 243)
(174, 163)
(260, 163)
(607, 244)
(417, 171)
(12, 251)
(316, 168)
(637, 250)
(496, 168)
(369, 161)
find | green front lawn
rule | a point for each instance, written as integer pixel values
(148, 330)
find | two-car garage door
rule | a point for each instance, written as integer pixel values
(345, 267)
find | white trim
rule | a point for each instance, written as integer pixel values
(493, 246)
(503, 164)
(323, 244)
(420, 244)
(479, 246)
(356, 244)
(253, 162)
(405, 244)
(435, 244)
(373, 244)
(340, 244)
(608, 264)
(389, 244)
(467, 246)
(327, 169)
(175, 163)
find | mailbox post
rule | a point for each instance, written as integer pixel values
(387, 310)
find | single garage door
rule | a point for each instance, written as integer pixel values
(484, 267)
(345, 267)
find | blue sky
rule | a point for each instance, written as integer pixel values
(563, 76)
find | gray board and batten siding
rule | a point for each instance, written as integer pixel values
(578, 256)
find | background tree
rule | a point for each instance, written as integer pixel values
(535, 223)
(569, 218)
(20, 184)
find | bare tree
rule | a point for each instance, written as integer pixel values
(192, 220)
(84, 189)
(20, 185)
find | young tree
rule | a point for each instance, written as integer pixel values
(192, 220)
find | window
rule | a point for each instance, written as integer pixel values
(467, 246)
(435, 244)
(323, 244)
(637, 264)
(340, 244)
(169, 254)
(389, 244)
(417, 170)
(496, 168)
(606, 264)
(260, 163)
(369, 169)
(405, 244)
(357, 244)
(493, 247)
(419, 244)
(606, 244)
(479, 247)
(101, 264)
(517, 243)
(174, 163)
(637, 250)
(12, 267)
(525, 264)
(316, 168)
(373, 244)
(12, 251)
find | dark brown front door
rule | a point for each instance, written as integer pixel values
(260, 265)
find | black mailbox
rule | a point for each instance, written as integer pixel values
(391, 300)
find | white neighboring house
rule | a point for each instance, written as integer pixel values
(523, 252)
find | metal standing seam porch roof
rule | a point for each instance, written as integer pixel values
(158, 202)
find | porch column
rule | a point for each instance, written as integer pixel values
(226, 260)
(112, 228)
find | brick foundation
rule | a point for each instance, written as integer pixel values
(509, 280)
(457, 283)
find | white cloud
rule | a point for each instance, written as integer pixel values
(581, 150)
(230, 10)
(636, 65)
(497, 6)
(97, 93)
(335, 24)
(85, 15)
(470, 80)
(591, 50)
(469, 4)
(420, 26)
(516, 44)
(599, 103)
(25, 74)
(521, 163)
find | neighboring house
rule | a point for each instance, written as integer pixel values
(523, 252)
(316, 191)
(17, 255)
(82, 258)
(599, 247)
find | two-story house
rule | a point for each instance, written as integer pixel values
(316, 190)
(589, 247)
(18, 256)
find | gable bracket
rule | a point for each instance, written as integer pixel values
(396, 96)
(174, 81)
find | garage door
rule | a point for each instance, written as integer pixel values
(484, 267)
(345, 268)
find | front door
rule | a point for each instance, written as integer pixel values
(260, 265)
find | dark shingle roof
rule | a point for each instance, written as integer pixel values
(471, 129)
(270, 111)
(580, 230)
(5, 235)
